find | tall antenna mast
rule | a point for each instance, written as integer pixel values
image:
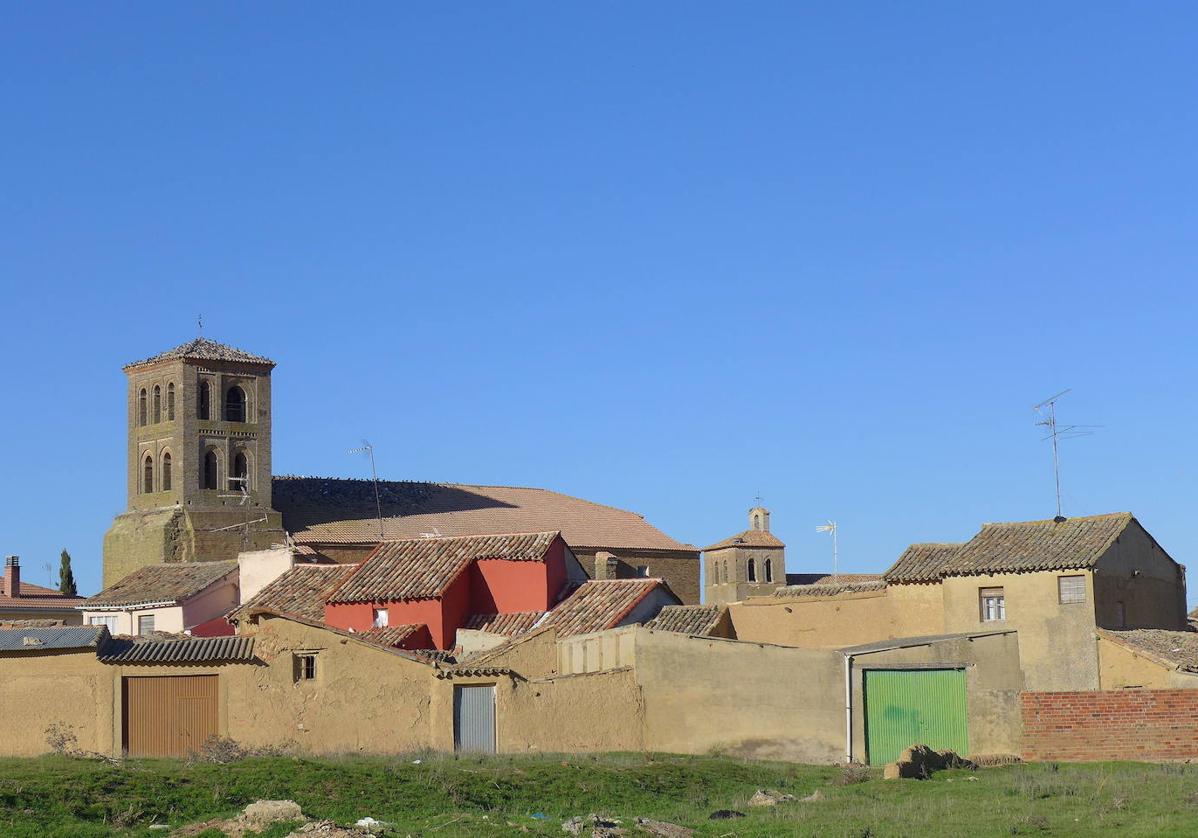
(367, 448)
(832, 528)
(1047, 410)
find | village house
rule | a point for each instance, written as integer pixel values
(1056, 582)
(23, 601)
(188, 597)
(200, 487)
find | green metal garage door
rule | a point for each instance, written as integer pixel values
(914, 707)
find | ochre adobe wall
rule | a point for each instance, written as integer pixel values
(1145, 725)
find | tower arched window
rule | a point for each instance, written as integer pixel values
(205, 408)
(769, 570)
(141, 407)
(166, 471)
(752, 567)
(147, 475)
(210, 476)
(170, 402)
(235, 405)
(157, 404)
(241, 472)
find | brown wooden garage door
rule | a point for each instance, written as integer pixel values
(169, 716)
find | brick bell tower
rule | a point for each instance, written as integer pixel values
(198, 463)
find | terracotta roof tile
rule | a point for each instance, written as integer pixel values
(320, 510)
(1176, 649)
(421, 568)
(1038, 545)
(830, 588)
(922, 562)
(35, 596)
(830, 579)
(202, 349)
(301, 591)
(508, 625)
(748, 538)
(599, 604)
(165, 583)
(686, 619)
(390, 635)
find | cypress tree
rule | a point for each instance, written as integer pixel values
(66, 579)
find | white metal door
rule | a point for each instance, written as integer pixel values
(474, 718)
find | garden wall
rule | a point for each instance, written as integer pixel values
(1144, 725)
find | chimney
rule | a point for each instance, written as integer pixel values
(12, 576)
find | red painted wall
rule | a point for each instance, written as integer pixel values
(490, 586)
(503, 587)
(216, 627)
(419, 639)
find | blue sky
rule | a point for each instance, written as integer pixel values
(664, 256)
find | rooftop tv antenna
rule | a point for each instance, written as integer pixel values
(1047, 410)
(831, 527)
(367, 448)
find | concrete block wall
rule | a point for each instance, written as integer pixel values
(1146, 725)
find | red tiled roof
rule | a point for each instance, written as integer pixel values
(390, 635)
(1038, 545)
(422, 568)
(599, 604)
(922, 562)
(686, 619)
(508, 625)
(301, 591)
(169, 582)
(337, 511)
(35, 596)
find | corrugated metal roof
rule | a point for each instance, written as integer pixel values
(193, 650)
(424, 567)
(59, 637)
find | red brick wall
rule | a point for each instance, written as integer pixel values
(1110, 725)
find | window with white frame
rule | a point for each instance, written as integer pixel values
(145, 624)
(99, 620)
(993, 604)
(1071, 589)
(381, 618)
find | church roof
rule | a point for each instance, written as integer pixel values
(202, 349)
(748, 538)
(318, 510)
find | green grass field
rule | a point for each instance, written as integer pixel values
(56, 796)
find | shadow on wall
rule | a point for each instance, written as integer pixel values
(312, 501)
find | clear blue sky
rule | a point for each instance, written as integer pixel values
(663, 256)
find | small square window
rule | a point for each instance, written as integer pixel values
(1071, 589)
(145, 624)
(381, 618)
(993, 604)
(305, 667)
